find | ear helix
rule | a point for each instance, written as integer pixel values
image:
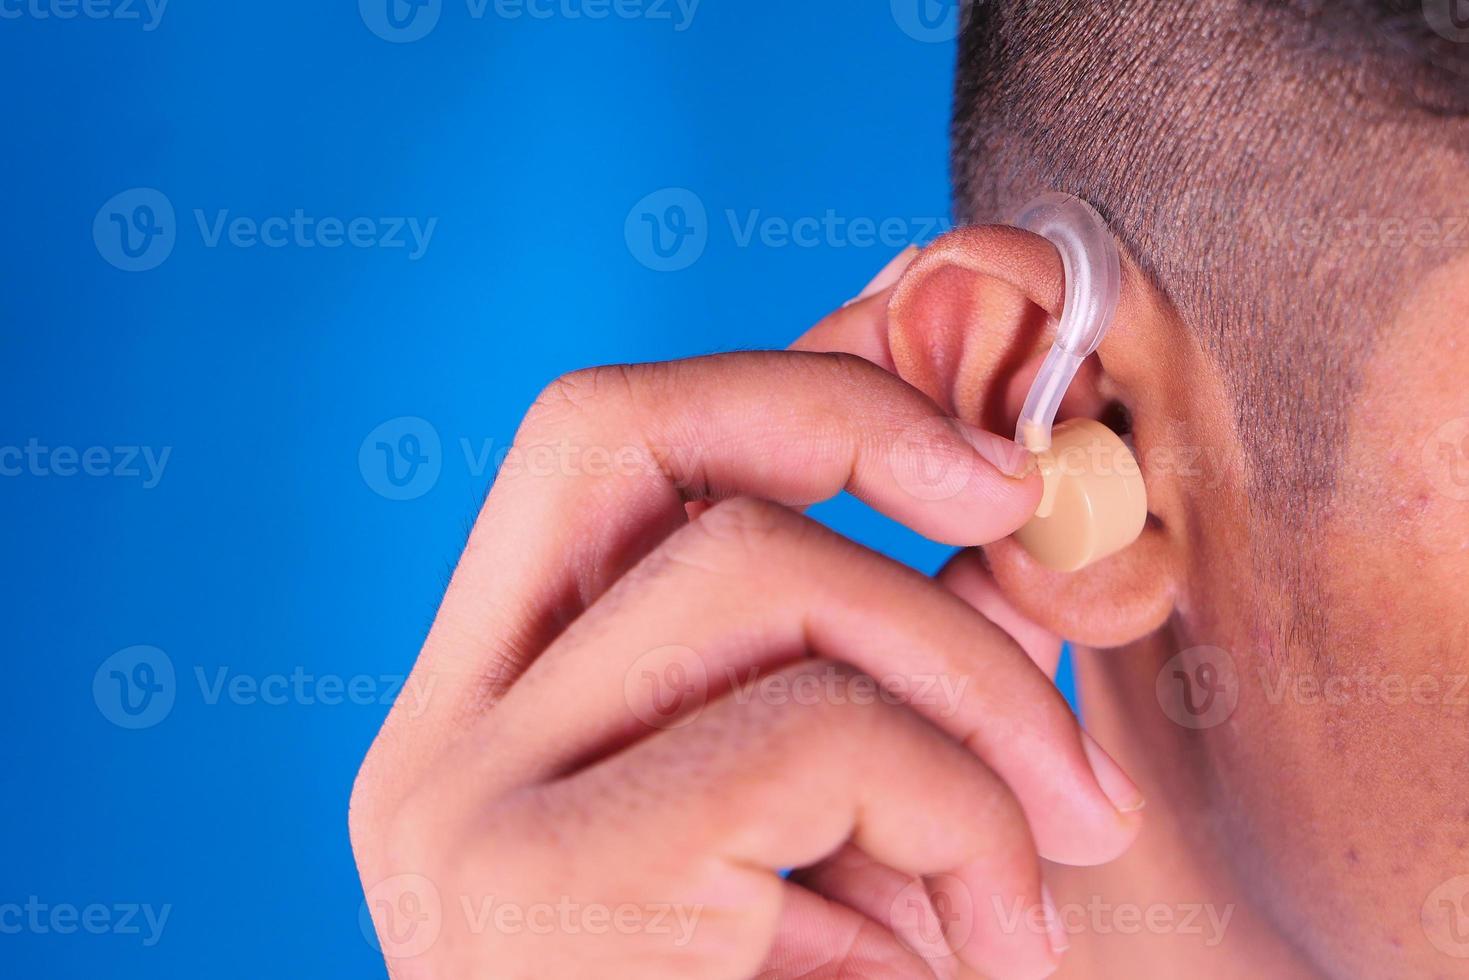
(1094, 503)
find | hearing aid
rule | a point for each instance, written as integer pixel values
(1093, 503)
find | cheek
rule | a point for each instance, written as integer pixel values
(1397, 544)
(1344, 784)
(1399, 533)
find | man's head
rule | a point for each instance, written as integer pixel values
(1233, 145)
(1287, 181)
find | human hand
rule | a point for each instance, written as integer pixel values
(644, 706)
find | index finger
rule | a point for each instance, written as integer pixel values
(603, 466)
(861, 327)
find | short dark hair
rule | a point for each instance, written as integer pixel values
(1211, 135)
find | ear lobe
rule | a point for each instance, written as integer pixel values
(968, 325)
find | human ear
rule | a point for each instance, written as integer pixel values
(970, 324)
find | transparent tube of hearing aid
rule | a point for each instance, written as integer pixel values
(1093, 285)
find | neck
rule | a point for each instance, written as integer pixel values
(1171, 906)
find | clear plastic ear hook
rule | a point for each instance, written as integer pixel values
(1093, 285)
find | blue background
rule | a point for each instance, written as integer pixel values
(264, 549)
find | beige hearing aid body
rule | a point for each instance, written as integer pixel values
(1094, 503)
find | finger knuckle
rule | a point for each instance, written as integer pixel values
(856, 369)
(743, 527)
(376, 793)
(400, 839)
(822, 704)
(580, 395)
(362, 810)
(1043, 722)
(863, 382)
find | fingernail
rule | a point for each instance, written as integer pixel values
(1123, 792)
(890, 274)
(1055, 928)
(1010, 458)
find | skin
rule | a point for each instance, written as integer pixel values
(540, 772)
(1328, 806)
(1290, 834)
(1234, 146)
